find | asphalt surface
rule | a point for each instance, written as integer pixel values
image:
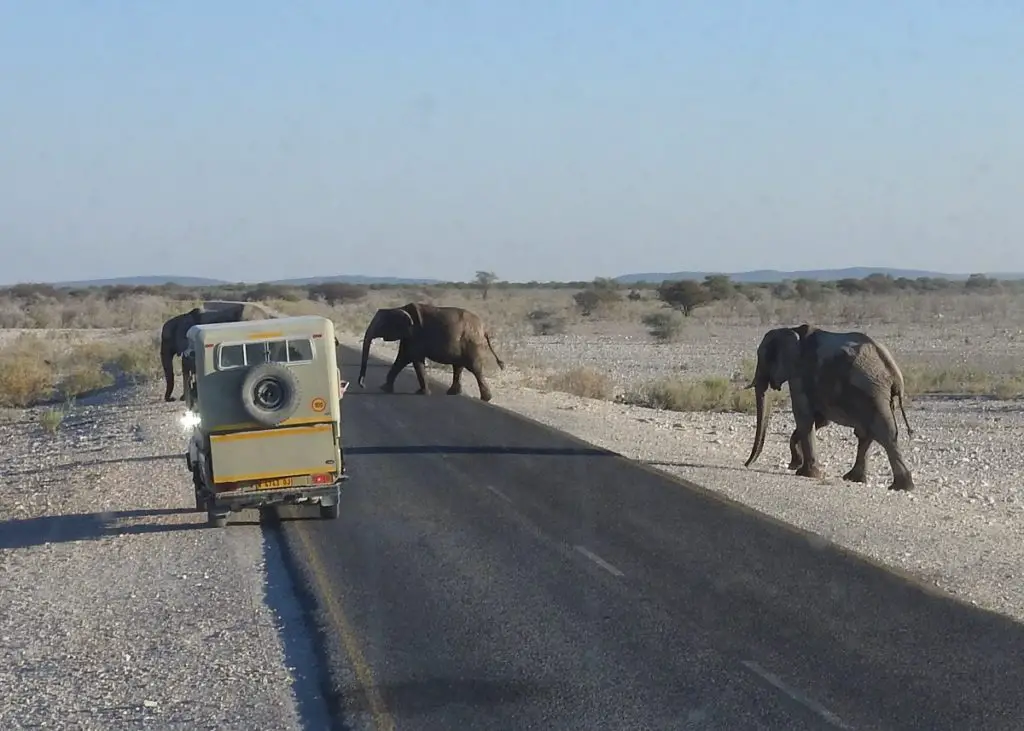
(490, 573)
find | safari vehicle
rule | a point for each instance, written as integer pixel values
(264, 410)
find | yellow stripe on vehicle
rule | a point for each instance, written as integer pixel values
(266, 433)
(254, 425)
(253, 476)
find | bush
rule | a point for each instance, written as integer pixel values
(25, 376)
(708, 394)
(37, 369)
(582, 382)
(665, 326)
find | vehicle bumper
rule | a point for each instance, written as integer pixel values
(242, 499)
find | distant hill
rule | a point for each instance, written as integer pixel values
(775, 275)
(157, 280)
(355, 279)
(150, 281)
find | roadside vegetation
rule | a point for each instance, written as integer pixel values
(50, 359)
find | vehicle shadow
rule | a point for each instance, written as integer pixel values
(483, 449)
(26, 532)
(93, 463)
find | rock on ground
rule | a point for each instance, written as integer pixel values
(119, 608)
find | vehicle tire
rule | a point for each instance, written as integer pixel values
(270, 393)
(330, 512)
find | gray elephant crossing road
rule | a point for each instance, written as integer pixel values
(489, 573)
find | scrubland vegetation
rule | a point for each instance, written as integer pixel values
(42, 360)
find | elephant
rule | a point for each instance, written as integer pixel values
(842, 377)
(449, 335)
(174, 340)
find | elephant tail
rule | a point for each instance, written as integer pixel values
(500, 362)
(897, 394)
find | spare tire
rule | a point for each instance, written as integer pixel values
(270, 393)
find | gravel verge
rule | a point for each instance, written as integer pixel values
(962, 530)
(119, 608)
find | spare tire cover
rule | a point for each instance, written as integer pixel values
(270, 393)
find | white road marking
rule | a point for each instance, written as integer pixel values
(499, 493)
(796, 695)
(599, 561)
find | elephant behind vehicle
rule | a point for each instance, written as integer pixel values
(174, 340)
(847, 378)
(448, 335)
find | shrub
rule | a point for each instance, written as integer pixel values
(583, 382)
(665, 325)
(713, 393)
(25, 376)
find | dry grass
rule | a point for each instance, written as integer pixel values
(962, 380)
(518, 320)
(713, 393)
(40, 368)
(584, 382)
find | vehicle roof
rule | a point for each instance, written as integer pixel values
(280, 327)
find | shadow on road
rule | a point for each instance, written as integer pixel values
(697, 465)
(94, 463)
(26, 532)
(488, 449)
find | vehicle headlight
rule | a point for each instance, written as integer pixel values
(189, 420)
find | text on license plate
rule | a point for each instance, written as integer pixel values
(272, 484)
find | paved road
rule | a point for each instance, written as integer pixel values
(490, 573)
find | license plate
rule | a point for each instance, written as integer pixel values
(272, 484)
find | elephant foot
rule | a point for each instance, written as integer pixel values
(855, 475)
(812, 471)
(902, 482)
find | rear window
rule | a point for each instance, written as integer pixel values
(288, 350)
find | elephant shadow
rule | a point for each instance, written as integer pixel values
(710, 466)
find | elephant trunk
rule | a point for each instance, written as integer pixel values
(760, 386)
(368, 336)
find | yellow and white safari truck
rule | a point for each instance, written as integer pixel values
(264, 410)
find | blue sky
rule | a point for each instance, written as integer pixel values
(541, 139)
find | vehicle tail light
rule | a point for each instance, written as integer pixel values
(322, 479)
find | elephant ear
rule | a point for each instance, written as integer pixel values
(415, 314)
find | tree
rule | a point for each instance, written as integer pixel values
(602, 292)
(719, 286)
(685, 295)
(485, 280)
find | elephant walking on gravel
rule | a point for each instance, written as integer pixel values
(448, 335)
(174, 340)
(847, 378)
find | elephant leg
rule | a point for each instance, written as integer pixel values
(167, 361)
(859, 471)
(481, 382)
(419, 366)
(401, 361)
(456, 387)
(803, 415)
(795, 451)
(885, 432)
